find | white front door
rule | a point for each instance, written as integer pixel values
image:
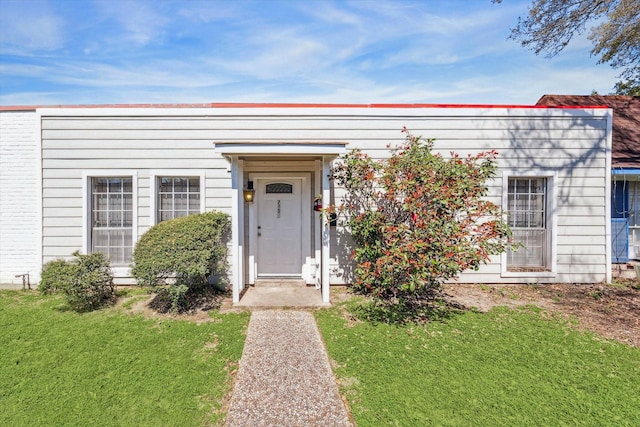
(279, 222)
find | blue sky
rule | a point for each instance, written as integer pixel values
(363, 51)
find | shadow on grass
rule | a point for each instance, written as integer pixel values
(87, 303)
(205, 299)
(404, 312)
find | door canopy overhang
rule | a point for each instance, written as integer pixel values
(237, 153)
(311, 149)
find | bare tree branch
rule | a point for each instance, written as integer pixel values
(551, 24)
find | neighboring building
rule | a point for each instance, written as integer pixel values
(95, 178)
(625, 163)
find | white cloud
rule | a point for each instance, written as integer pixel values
(360, 51)
(165, 74)
(141, 23)
(286, 53)
(23, 30)
(32, 98)
(209, 12)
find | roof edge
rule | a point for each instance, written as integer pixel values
(290, 105)
(18, 108)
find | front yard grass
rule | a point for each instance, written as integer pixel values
(520, 367)
(61, 368)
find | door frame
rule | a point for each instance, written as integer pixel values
(307, 271)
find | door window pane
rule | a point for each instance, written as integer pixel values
(279, 188)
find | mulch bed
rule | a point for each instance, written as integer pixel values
(611, 311)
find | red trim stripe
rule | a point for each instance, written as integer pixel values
(294, 105)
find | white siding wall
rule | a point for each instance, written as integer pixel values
(570, 143)
(19, 196)
(75, 146)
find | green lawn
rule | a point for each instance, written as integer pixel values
(61, 368)
(502, 368)
(506, 367)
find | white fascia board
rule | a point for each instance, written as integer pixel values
(279, 149)
(302, 111)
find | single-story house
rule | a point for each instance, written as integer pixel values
(625, 164)
(95, 178)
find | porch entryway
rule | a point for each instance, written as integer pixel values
(276, 234)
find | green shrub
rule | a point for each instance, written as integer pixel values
(55, 275)
(180, 255)
(86, 280)
(177, 296)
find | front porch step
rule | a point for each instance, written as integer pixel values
(269, 298)
(280, 283)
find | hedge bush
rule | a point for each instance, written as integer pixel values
(55, 276)
(86, 280)
(180, 255)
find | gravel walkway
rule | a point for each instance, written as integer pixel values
(284, 377)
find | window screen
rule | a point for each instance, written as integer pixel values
(526, 215)
(112, 218)
(177, 197)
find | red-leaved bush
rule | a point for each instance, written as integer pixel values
(418, 219)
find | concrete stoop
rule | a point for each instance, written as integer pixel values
(281, 293)
(280, 283)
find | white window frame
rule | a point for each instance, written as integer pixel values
(634, 229)
(550, 218)
(87, 176)
(174, 173)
